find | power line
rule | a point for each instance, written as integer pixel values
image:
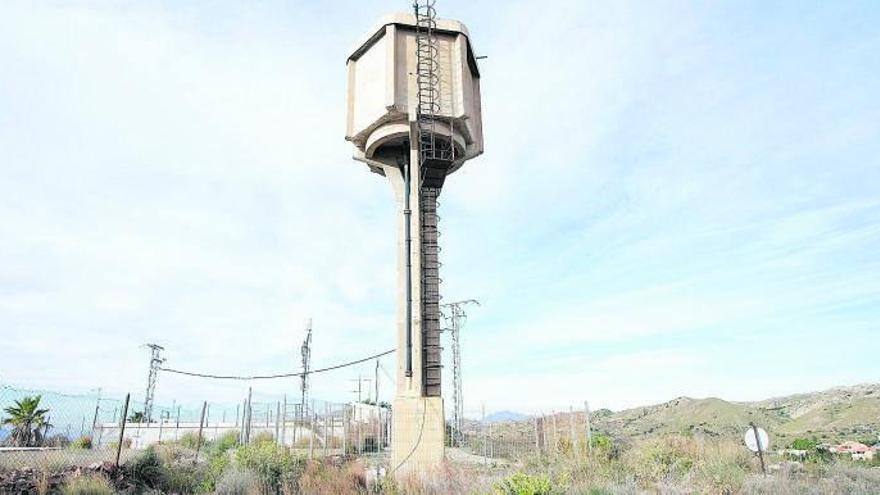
(280, 375)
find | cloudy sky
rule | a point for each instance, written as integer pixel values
(677, 198)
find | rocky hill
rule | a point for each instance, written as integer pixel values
(839, 413)
(834, 414)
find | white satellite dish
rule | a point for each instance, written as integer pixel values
(752, 441)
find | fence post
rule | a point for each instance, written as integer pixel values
(332, 424)
(571, 435)
(249, 413)
(243, 417)
(296, 417)
(378, 426)
(589, 429)
(122, 428)
(483, 426)
(277, 423)
(344, 429)
(95, 419)
(324, 429)
(201, 424)
(537, 438)
(284, 421)
(360, 421)
(311, 432)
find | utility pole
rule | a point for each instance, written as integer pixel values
(360, 387)
(456, 317)
(156, 361)
(306, 351)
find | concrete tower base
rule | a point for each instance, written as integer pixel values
(417, 435)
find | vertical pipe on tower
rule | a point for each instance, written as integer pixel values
(407, 235)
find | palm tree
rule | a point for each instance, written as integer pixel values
(27, 420)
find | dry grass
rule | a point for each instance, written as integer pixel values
(326, 478)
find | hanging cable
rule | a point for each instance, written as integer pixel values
(280, 375)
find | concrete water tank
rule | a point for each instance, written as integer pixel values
(382, 91)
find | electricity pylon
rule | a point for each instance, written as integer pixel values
(156, 361)
(306, 351)
(456, 317)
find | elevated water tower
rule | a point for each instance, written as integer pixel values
(414, 117)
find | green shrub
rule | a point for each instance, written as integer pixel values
(602, 442)
(145, 470)
(126, 444)
(326, 478)
(87, 485)
(524, 484)
(263, 437)
(184, 477)
(83, 442)
(274, 464)
(224, 443)
(167, 468)
(189, 440)
(664, 458)
(237, 481)
(219, 461)
(803, 444)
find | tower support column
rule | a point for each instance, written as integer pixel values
(418, 423)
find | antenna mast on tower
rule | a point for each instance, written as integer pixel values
(156, 361)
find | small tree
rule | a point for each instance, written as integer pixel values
(28, 422)
(137, 417)
(803, 444)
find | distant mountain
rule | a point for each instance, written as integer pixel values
(841, 412)
(830, 415)
(505, 417)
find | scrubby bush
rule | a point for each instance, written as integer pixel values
(263, 436)
(83, 442)
(325, 478)
(87, 485)
(803, 444)
(145, 470)
(126, 444)
(183, 477)
(664, 458)
(224, 442)
(274, 464)
(189, 440)
(166, 468)
(524, 484)
(56, 440)
(236, 481)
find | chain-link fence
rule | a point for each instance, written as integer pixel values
(514, 439)
(50, 430)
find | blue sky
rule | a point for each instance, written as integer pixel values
(676, 198)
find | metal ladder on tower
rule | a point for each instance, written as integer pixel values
(436, 156)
